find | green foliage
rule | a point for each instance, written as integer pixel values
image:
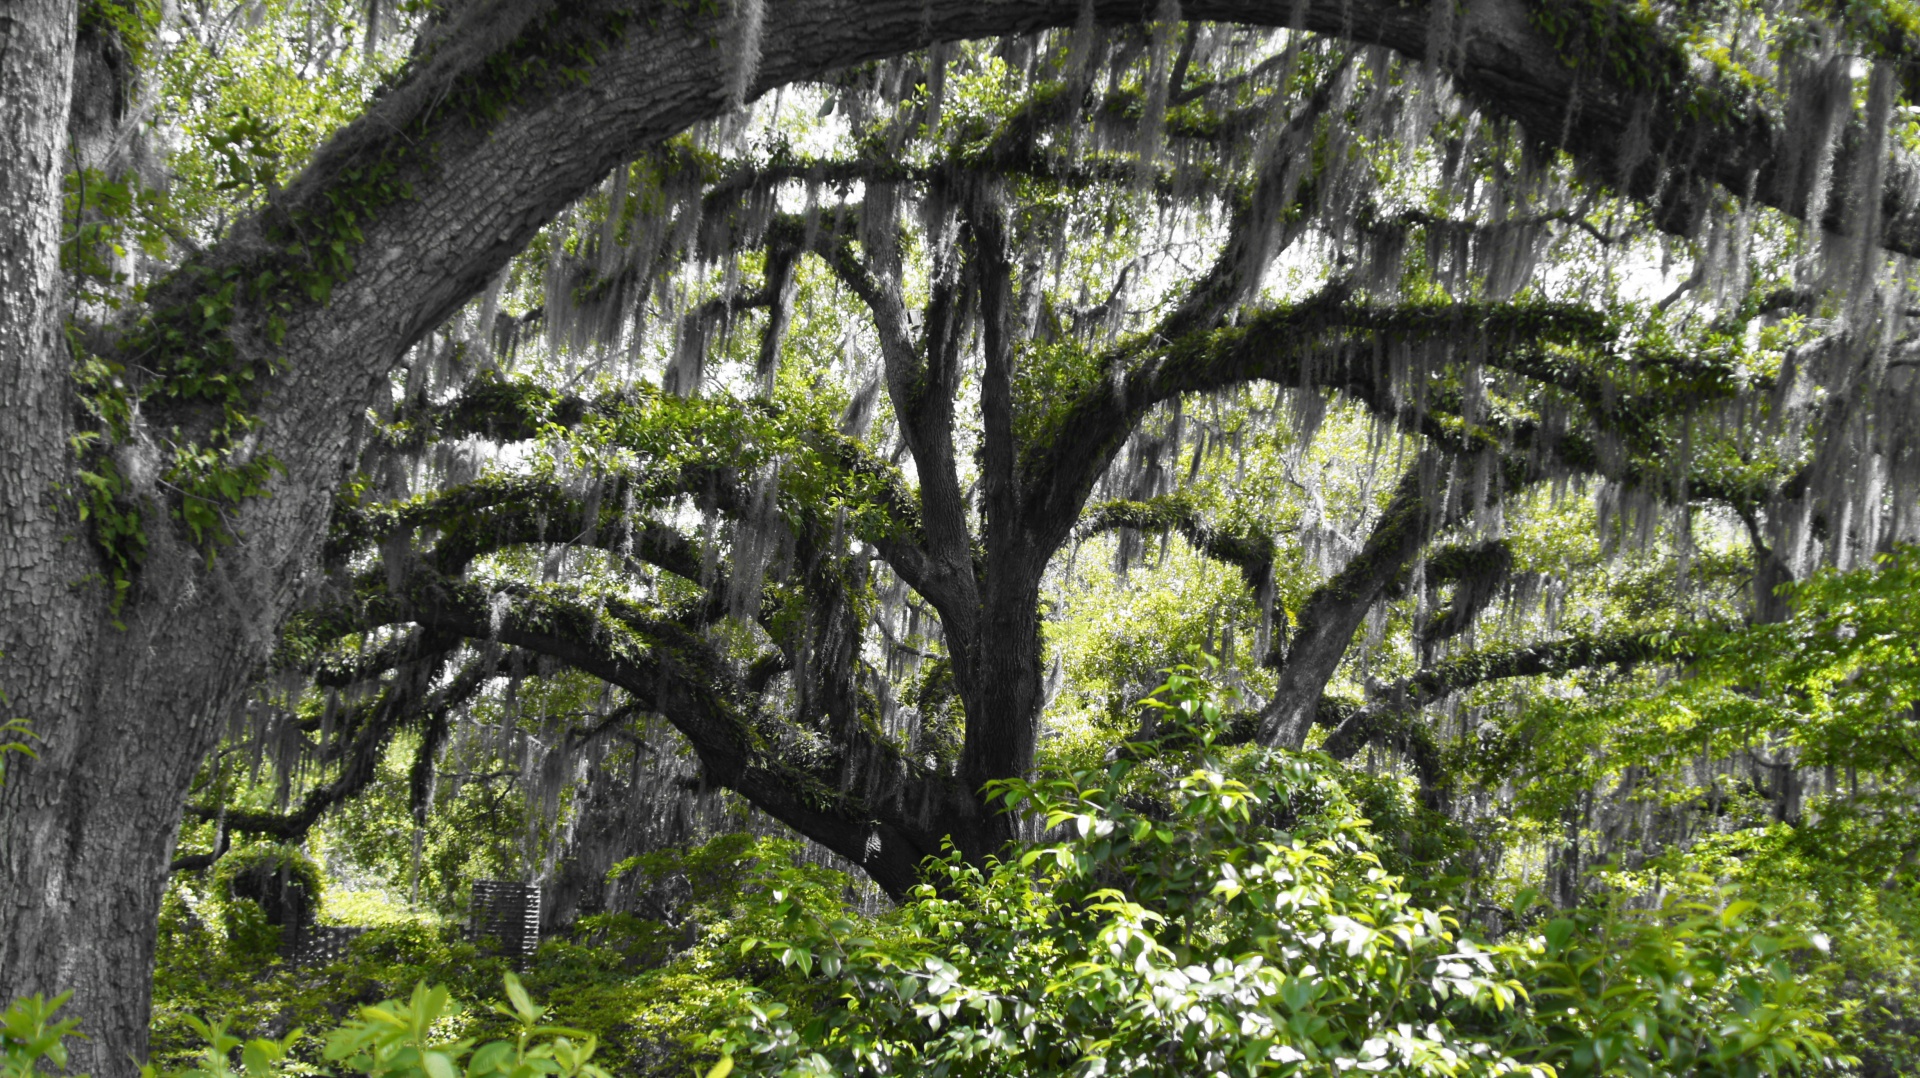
(1837, 678)
(1415, 842)
(472, 830)
(401, 1040)
(1869, 915)
(1247, 927)
(1833, 682)
(412, 1038)
(1690, 988)
(1120, 630)
(30, 1037)
(108, 215)
(648, 987)
(1625, 42)
(663, 982)
(131, 24)
(1830, 686)
(12, 733)
(254, 102)
(203, 976)
(260, 1055)
(262, 889)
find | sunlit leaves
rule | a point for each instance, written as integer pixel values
(1243, 927)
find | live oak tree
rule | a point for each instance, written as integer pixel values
(191, 475)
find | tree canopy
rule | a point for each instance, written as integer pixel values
(852, 407)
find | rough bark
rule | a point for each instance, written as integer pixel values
(81, 827)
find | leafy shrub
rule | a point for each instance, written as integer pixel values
(1245, 926)
(29, 1036)
(650, 987)
(279, 883)
(1203, 909)
(413, 1038)
(1690, 988)
(255, 995)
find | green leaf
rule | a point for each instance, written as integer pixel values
(522, 1003)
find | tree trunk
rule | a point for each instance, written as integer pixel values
(37, 622)
(1002, 685)
(89, 828)
(49, 630)
(119, 713)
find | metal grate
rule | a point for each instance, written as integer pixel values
(508, 912)
(316, 945)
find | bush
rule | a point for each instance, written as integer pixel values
(394, 1039)
(1244, 925)
(649, 987)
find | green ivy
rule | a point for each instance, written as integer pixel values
(186, 351)
(133, 23)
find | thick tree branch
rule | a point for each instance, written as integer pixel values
(501, 511)
(1329, 617)
(865, 805)
(1401, 733)
(1261, 227)
(1328, 340)
(922, 398)
(1552, 657)
(1392, 718)
(993, 275)
(1251, 554)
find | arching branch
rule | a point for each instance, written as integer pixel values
(1392, 719)
(868, 804)
(1328, 340)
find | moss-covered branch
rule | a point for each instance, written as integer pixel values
(1251, 554)
(1330, 615)
(866, 802)
(1393, 719)
(401, 704)
(1476, 572)
(1534, 660)
(659, 430)
(497, 512)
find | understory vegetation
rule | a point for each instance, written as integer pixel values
(1147, 546)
